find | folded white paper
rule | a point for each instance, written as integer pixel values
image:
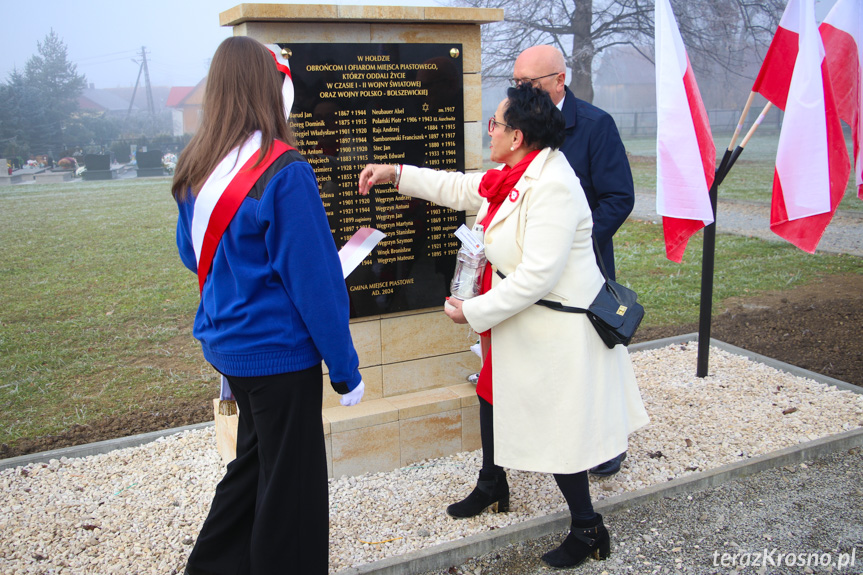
(469, 240)
(358, 248)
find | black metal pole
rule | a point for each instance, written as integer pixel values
(708, 257)
(722, 169)
(707, 263)
(731, 159)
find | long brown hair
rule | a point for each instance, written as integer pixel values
(243, 94)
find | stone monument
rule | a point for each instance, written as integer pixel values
(149, 164)
(98, 167)
(6, 175)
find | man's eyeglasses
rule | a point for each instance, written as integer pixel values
(519, 81)
(492, 122)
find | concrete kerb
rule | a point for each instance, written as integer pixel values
(96, 448)
(455, 552)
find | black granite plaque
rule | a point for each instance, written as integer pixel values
(392, 104)
(97, 162)
(151, 159)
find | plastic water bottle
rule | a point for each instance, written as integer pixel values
(467, 279)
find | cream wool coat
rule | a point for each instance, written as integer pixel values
(563, 401)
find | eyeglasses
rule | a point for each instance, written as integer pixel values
(520, 81)
(492, 122)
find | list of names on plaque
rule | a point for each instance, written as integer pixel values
(383, 103)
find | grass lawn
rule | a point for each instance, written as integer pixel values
(97, 309)
(96, 305)
(670, 292)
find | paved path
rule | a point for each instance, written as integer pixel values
(843, 235)
(757, 521)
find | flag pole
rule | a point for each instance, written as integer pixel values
(724, 166)
(707, 264)
(726, 157)
(708, 255)
(739, 149)
(742, 119)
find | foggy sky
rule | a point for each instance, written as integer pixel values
(104, 36)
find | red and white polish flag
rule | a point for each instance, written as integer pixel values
(842, 34)
(288, 85)
(685, 153)
(811, 159)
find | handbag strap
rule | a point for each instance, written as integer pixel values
(599, 259)
(556, 305)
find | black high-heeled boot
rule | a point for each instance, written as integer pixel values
(587, 539)
(491, 490)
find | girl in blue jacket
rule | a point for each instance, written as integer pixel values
(273, 306)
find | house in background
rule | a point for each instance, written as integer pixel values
(159, 93)
(185, 102)
(115, 101)
(96, 101)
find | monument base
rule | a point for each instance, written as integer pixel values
(9, 180)
(151, 172)
(385, 434)
(92, 175)
(53, 177)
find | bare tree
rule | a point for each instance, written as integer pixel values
(728, 35)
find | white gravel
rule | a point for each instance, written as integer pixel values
(138, 510)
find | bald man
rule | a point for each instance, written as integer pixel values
(592, 146)
(596, 154)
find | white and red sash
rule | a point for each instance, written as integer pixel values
(218, 202)
(288, 84)
(221, 196)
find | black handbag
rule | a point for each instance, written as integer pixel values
(614, 313)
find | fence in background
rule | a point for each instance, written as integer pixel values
(643, 123)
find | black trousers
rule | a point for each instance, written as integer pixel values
(574, 486)
(270, 513)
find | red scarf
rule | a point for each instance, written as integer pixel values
(495, 187)
(497, 184)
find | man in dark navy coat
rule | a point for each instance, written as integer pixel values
(596, 154)
(592, 146)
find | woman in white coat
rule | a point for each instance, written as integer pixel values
(562, 401)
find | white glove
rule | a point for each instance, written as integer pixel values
(353, 397)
